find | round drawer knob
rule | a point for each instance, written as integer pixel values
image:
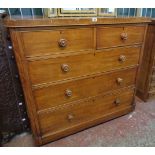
(122, 58)
(124, 36)
(68, 93)
(117, 101)
(65, 67)
(62, 42)
(70, 117)
(119, 81)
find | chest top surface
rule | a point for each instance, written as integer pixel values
(37, 21)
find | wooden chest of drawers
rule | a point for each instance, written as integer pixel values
(76, 73)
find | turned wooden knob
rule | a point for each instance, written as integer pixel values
(122, 58)
(117, 101)
(65, 67)
(124, 36)
(119, 81)
(62, 42)
(70, 117)
(68, 92)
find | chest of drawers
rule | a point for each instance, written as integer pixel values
(76, 73)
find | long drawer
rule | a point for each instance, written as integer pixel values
(119, 36)
(68, 91)
(74, 114)
(66, 67)
(45, 42)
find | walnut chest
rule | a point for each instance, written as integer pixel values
(76, 72)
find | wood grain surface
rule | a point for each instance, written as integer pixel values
(76, 73)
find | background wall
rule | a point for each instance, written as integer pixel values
(144, 12)
(121, 12)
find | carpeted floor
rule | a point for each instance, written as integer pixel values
(134, 129)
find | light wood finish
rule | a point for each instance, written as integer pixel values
(17, 22)
(55, 95)
(89, 81)
(47, 42)
(50, 70)
(112, 36)
(145, 81)
(64, 117)
(23, 72)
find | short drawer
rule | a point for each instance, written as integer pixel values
(68, 91)
(119, 36)
(46, 42)
(84, 111)
(62, 68)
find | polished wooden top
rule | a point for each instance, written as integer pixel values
(16, 21)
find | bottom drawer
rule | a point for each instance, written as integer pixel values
(61, 119)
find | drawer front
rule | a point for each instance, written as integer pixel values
(55, 69)
(57, 41)
(77, 113)
(59, 94)
(119, 36)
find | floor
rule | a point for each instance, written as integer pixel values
(134, 129)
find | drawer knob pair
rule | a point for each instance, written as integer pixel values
(68, 93)
(124, 36)
(64, 67)
(62, 43)
(119, 81)
(117, 102)
(122, 58)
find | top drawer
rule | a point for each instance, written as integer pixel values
(119, 36)
(57, 41)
